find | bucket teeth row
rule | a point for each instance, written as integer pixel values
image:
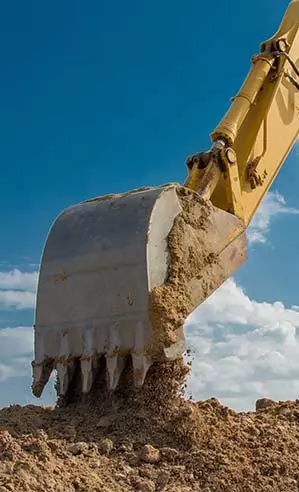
(115, 365)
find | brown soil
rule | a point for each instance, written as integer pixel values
(192, 257)
(148, 441)
(201, 260)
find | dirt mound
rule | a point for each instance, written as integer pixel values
(149, 440)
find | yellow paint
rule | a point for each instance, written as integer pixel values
(261, 125)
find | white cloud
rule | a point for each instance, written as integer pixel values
(15, 279)
(16, 354)
(16, 341)
(7, 372)
(273, 205)
(17, 289)
(16, 347)
(243, 349)
(16, 299)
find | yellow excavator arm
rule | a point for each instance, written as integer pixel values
(121, 273)
(254, 138)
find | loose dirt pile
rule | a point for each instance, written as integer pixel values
(150, 440)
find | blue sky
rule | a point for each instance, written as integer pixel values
(102, 97)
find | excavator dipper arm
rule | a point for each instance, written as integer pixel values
(261, 126)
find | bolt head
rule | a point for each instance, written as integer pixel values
(230, 155)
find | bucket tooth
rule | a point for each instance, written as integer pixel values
(114, 365)
(87, 374)
(141, 365)
(41, 375)
(65, 371)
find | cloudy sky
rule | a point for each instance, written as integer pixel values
(110, 96)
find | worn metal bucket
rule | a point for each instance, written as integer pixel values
(101, 263)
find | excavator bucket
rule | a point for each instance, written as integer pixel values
(118, 278)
